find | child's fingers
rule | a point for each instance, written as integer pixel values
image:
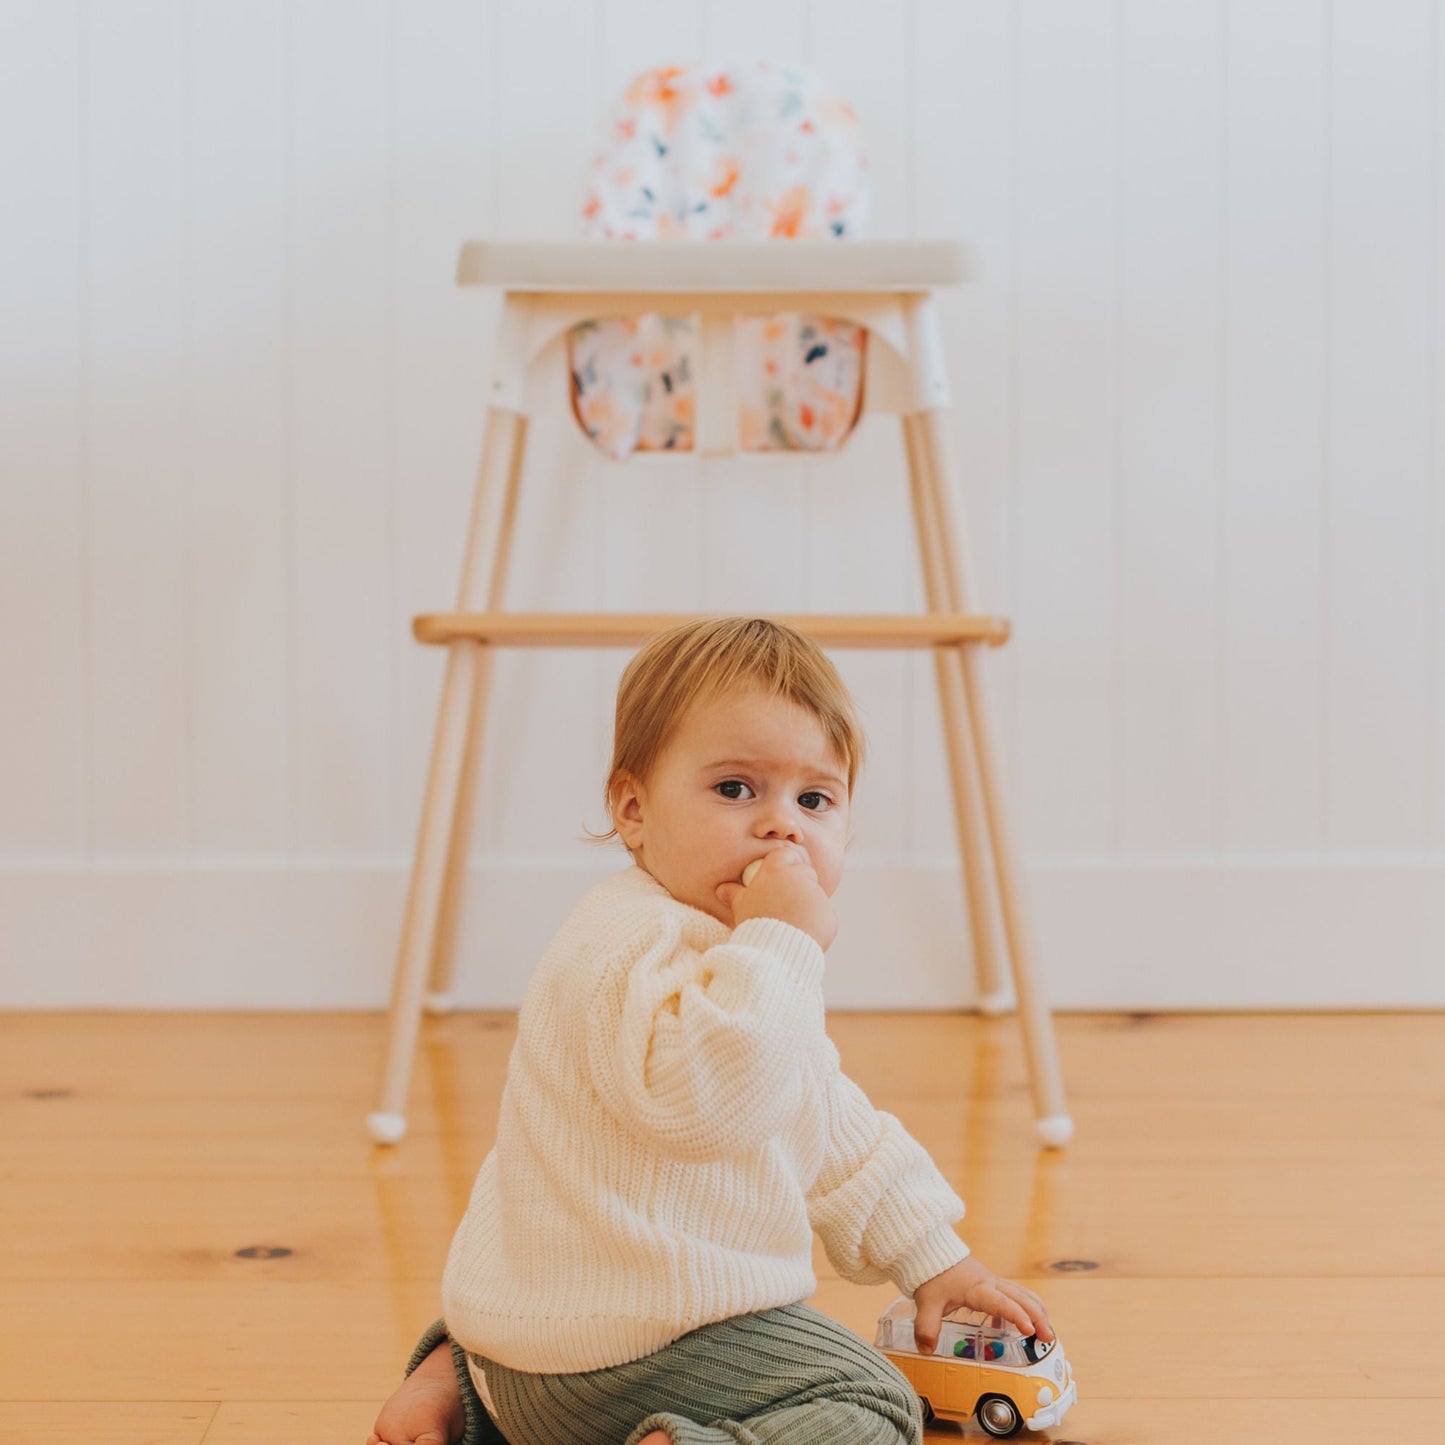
(999, 1302)
(790, 855)
(925, 1327)
(1031, 1307)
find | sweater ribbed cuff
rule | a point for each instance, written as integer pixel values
(480, 1430)
(796, 951)
(934, 1253)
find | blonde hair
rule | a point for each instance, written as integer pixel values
(714, 656)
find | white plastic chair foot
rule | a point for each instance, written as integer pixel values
(1054, 1131)
(438, 1003)
(386, 1128)
(994, 1005)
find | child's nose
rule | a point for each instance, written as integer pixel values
(781, 821)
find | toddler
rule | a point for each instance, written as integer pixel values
(633, 1260)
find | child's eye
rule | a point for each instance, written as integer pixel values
(815, 802)
(734, 788)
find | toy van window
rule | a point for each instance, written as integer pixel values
(951, 1336)
(994, 1352)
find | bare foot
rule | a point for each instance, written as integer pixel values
(426, 1408)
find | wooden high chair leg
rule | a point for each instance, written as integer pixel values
(1051, 1118)
(454, 887)
(442, 969)
(993, 998)
(387, 1122)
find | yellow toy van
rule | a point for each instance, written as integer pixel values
(981, 1367)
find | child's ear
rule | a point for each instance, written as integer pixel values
(627, 806)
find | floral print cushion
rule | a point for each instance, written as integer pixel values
(737, 151)
(632, 382)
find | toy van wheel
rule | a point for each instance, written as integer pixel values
(999, 1416)
(928, 1416)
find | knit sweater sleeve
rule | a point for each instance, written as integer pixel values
(879, 1203)
(700, 1051)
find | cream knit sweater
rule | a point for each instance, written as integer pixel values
(673, 1127)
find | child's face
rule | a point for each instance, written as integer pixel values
(743, 774)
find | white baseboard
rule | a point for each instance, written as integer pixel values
(1110, 936)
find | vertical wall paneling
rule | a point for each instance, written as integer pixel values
(545, 754)
(867, 58)
(963, 159)
(750, 518)
(550, 108)
(1167, 727)
(855, 540)
(652, 542)
(760, 29)
(652, 539)
(236, 247)
(755, 513)
(343, 439)
(1273, 404)
(43, 638)
(1435, 716)
(755, 521)
(1378, 426)
(546, 747)
(858, 532)
(445, 173)
(1196, 390)
(640, 34)
(136, 67)
(1068, 408)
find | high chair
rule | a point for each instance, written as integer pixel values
(869, 307)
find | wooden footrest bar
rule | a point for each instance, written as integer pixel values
(627, 629)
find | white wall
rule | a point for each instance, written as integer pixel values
(1197, 398)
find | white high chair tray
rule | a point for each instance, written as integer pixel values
(719, 266)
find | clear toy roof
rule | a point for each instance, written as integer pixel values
(903, 1308)
(963, 1334)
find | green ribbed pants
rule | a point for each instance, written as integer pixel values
(788, 1374)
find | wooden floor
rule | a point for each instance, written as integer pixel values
(1246, 1241)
